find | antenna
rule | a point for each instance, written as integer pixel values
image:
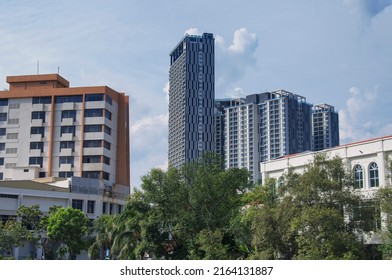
(58, 70)
(38, 67)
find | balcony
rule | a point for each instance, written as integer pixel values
(35, 153)
(66, 152)
(36, 137)
(94, 135)
(67, 137)
(66, 167)
(38, 107)
(67, 121)
(37, 122)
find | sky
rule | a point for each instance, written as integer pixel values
(337, 52)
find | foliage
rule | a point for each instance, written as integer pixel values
(12, 234)
(68, 226)
(305, 217)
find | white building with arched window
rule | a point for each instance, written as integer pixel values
(368, 162)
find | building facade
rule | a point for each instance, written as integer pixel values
(191, 99)
(325, 127)
(48, 129)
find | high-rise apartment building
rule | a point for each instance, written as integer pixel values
(285, 125)
(325, 127)
(48, 129)
(191, 99)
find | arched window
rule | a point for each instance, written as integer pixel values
(373, 174)
(358, 176)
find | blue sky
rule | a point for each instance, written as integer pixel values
(337, 52)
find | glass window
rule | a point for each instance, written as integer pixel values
(93, 128)
(105, 175)
(93, 113)
(67, 145)
(92, 143)
(38, 130)
(38, 115)
(358, 177)
(77, 204)
(108, 115)
(94, 97)
(37, 146)
(4, 102)
(68, 99)
(373, 175)
(91, 174)
(67, 160)
(3, 117)
(42, 175)
(66, 174)
(68, 114)
(2, 146)
(42, 100)
(2, 131)
(104, 207)
(92, 159)
(36, 161)
(106, 160)
(108, 130)
(1, 161)
(68, 129)
(107, 145)
(108, 99)
(90, 206)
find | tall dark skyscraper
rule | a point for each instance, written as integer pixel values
(191, 98)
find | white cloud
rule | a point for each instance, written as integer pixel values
(243, 41)
(192, 31)
(166, 91)
(360, 118)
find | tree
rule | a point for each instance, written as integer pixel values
(33, 220)
(68, 226)
(103, 236)
(12, 234)
(307, 216)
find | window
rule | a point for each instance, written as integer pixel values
(37, 146)
(358, 177)
(36, 161)
(93, 113)
(38, 115)
(104, 207)
(1, 161)
(66, 160)
(90, 206)
(93, 128)
(119, 209)
(68, 99)
(373, 175)
(105, 175)
(13, 121)
(108, 99)
(67, 145)
(91, 159)
(108, 115)
(77, 204)
(66, 174)
(106, 145)
(111, 208)
(107, 130)
(106, 160)
(92, 143)
(4, 102)
(2, 146)
(14, 106)
(1, 175)
(68, 114)
(11, 151)
(367, 215)
(2, 131)
(38, 130)
(42, 100)
(42, 175)
(94, 97)
(3, 117)
(68, 129)
(12, 136)
(91, 174)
